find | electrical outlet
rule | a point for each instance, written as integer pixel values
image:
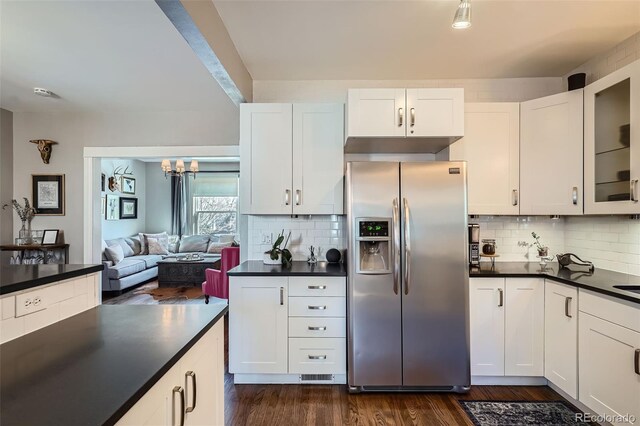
(266, 238)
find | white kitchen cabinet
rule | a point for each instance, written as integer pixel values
(561, 336)
(291, 158)
(524, 327)
(376, 113)
(609, 352)
(551, 152)
(318, 169)
(490, 147)
(486, 310)
(612, 143)
(258, 325)
(435, 112)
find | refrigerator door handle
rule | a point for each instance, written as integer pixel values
(396, 247)
(407, 245)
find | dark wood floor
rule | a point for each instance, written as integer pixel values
(333, 405)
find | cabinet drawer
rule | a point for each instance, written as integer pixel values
(317, 327)
(317, 306)
(317, 286)
(317, 356)
(618, 311)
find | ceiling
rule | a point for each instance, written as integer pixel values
(362, 40)
(100, 56)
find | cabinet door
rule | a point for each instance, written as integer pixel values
(524, 327)
(376, 112)
(318, 164)
(266, 142)
(609, 383)
(258, 324)
(612, 143)
(561, 336)
(490, 147)
(550, 153)
(486, 309)
(435, 112)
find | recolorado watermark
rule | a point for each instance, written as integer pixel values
(596, 418)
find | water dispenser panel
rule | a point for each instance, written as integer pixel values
(374, 229)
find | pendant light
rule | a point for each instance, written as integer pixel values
(462, 18)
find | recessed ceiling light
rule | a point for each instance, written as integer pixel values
(43, 92)
(462, 18)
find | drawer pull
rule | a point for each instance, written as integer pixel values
(317, 357)
(317, 287)
(177, 390)
(567, 310)
(317, 308)
(637, 361)
(317, 328)
(191, 375)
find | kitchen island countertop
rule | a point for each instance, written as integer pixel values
(22, 277)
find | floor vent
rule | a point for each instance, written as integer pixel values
(316, 378)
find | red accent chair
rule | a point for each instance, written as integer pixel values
(217, 282)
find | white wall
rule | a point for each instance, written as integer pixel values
(6, 176)
(75, 130)
(125, 227)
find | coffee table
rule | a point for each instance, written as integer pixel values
(174, 272)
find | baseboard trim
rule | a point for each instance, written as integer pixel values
(507, 381)
(283, 379)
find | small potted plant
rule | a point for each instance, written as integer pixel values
(543, 251)
(279, 255)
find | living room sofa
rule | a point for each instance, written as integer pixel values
(137, 266)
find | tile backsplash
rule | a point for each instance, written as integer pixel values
(324, 232)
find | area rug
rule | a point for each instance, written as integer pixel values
(165, 293)
(511, 413)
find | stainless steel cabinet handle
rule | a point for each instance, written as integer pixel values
(281, 295)
(191, 375)
(407, 246)
(396, 247)
(574, 196)
(287, 197)
(413, 117)
(400, 117)
(514, 197)
(298, 197)
(177, 390)
(501, 300)
(634, 190)
(317, 328)
(567, 311)
(317, 308)
(317, 357)
(317, 287)
(636, 360)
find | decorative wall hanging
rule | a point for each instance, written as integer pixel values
(48, 194)
(113, 207)
(102, 182)
(128, 208)
(114, 179)
(127, 185)
(45, 147)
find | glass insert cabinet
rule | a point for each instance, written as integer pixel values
(612, 143)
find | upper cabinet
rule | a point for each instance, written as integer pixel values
(612, 143)
(435, 112)
(291, 158)
(551, 155)
(376, 113)
(490, 147)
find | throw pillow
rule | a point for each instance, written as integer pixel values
(126, 249)
(155, 246)
(134, 243)
(194, 243)
(226, 238)
(216, 248)
(115, 253)
(163, 237)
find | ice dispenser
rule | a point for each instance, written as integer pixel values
(374, 245)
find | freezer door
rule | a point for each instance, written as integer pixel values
(374, 310)
(435, 321)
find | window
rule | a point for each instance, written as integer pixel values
(214, 203)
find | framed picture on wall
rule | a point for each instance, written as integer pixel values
(49, 237)
(48, 194)
(128, 185)
(113, 207)
(103, 206)
(128, 208)
(102, 182)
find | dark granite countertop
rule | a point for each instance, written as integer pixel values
(601, 280)
(90, 369)
(299, 268)
(21, 277)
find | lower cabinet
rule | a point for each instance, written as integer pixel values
(191, 393)
(287, 329)
(561, 336)
(507, 326)
(609, 357)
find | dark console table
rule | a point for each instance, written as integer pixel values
(173, 272)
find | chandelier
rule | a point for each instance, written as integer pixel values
(180, 170)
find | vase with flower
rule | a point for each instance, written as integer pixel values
(26, 214)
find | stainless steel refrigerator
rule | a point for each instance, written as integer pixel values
(408, 276)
